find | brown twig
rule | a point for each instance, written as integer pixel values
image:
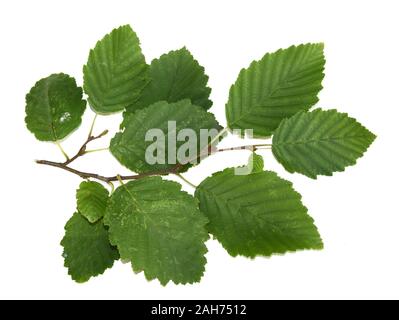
(82, 149)
(86, 175)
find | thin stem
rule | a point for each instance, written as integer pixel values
(221, 133)
(252, 147)
(96, 150)
(86, 175)
(112, 187)
(173, 170)
(82, 151)
(263, 148)
(81, 174)
(207, 149)
(185, 180)
(92, 126)
(62, 150)
(120, 179)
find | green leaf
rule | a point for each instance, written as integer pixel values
(116, 71)
(92, 200)
(256, 214)
(87, 251)
(54, 107)
(175, 76)
(257, 162)
(320, 142)
(276, 87)
(130, 147)
(159, 229)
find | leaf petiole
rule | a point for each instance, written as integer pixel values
(112, 186)
(96, 150)
(92, 125)
(186, 181)
(62, 150)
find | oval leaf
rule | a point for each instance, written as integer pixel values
(87, 251)
(54, 107)
(159, 229)
(256, 214)
(130, 145)
(175, 76)
(92, 200)
(276, 87)
(320, 142)
(116, 71)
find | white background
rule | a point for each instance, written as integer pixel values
(356, 211)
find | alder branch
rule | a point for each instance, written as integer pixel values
(86, 175)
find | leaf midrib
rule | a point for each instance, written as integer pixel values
(50, 112)
(174, 76)
(299, 142)
(262, 103)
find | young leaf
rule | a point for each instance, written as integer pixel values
(276, 87)
(54, 107)
(175, 76)
(87, 251)
(159, 229)
(130, 147)
(256, 214)
(92, 200)
(320, 142)
(116, 71)
(257, 162)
